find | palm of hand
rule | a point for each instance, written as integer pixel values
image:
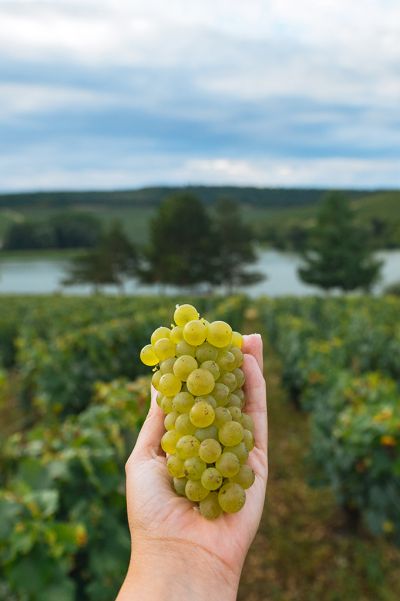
(157, 513)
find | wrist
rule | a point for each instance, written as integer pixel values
(175, 570)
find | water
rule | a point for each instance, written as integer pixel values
(43, 276)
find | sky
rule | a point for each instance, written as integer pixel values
(129, 93)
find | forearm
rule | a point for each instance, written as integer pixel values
(174, 571)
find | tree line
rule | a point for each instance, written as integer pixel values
(189, 246)
(62, 231)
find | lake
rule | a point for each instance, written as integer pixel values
(44, 276)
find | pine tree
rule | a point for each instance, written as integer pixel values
(235, 246)
(182, 244)
(339, 254)
(113, 260)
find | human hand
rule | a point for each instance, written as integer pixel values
(176, 552)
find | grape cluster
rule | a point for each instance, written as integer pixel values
(200, 389)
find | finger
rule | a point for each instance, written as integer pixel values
(256, 400)
(252, 345)
(148, 441)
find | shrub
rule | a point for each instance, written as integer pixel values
(63, 531)
(356, 446)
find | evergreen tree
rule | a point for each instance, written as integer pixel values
(235, 246)
(112, 261)
(182, 244)
(339, 255)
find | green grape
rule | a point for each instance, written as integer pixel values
(239, 392)
(202, 414)
(175, 466)
(229, 379)
(209, 507)
(237, 340)
(206, 352)
(164, 349)
(228, 464)
(155, 379)
(159, 398)
(204, 433)
(226, 360)
(231, 497)
(212, 367)
(169, 384)
(183, 425)
(234, 401)
(230, 434)
(166, 404)
(160, 333)
(237, 353)
(183, 348)
(240, 451)
(182, 402)
(187, 446)
(169, 441)
(195, 491)
(221, 393)
(200, 382)
(179, 486)
(219, 334)
(210, 450)
(245, 477)
(235, 413)
(166, 366)
(239, 375)
(176, 334)
(247, 422)
(148, 355)
(195, 332)
(193, 468)
(208, 398)
(211, 478)
(184, 365)
(170, 419)
(185, 313)
(248, 440)
(222, 415)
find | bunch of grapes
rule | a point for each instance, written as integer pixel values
(200, 389)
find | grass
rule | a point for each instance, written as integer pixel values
(29, 255)
(304, 550)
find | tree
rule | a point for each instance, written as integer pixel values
(339, 255)
(112, 261)
(29, 235)
(182, 247)
(75, 229)
(234, 246)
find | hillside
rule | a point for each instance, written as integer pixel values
(276, 210)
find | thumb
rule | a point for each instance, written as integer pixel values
(148, 441)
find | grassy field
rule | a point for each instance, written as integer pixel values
(383, 205)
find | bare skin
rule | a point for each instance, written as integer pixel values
(176, 553)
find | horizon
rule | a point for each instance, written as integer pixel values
(367, 190)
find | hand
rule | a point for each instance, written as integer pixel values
(176, 553)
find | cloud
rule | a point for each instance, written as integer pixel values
(278, 91)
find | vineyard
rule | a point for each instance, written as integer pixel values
(73, 396)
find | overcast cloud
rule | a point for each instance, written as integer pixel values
(128, 93)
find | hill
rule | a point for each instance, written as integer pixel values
(279, 215)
